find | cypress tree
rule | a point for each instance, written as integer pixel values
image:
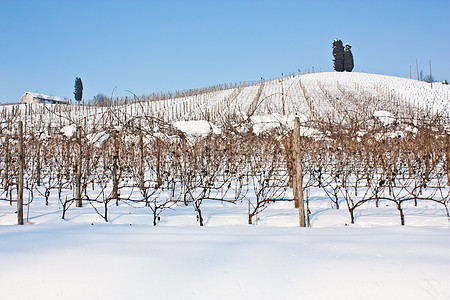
(78, 89)
(348, 58)
(338, 54)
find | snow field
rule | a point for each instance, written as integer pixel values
(141, 262)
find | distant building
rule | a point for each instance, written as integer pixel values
(34, 98)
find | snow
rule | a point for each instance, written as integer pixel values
(263, 123)
(396, 134)
(142, 262)
(97, 139)
(83, 257)
(385, 117)
(69, 130)
(197, 128)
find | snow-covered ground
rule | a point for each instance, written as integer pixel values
(217, 213)
(83, 257)
(233, 262)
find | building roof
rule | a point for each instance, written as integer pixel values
(46, 97)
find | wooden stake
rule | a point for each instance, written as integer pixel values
(20, 179)
(78, 169)
(115, 169)
(141, 158)
(298, 177)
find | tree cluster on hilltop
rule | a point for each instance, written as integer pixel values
(342, 57)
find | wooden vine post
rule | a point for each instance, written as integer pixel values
(78, 169)
(158, 164)
(7, 162)
(20, 179)
(298, 178)
(115, 170)
(38, 162)
(141, 158)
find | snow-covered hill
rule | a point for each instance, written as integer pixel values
(314, 95)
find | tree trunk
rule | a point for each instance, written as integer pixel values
(20, 179)
(336, 200)
(200, 216)
(64, 207)
(106, 211)
(308, 212)
(427, 167)
(154, 217)
(298, 177)
(352, 215)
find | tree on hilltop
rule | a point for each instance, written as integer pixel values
(348, 58)
(78, 89)
(338, 54)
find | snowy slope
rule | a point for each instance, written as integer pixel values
(319, 94)
(315, 95)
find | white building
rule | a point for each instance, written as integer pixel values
(33, 98)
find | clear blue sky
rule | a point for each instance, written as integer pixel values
(151, 46)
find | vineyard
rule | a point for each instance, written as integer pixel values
(369, 144)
